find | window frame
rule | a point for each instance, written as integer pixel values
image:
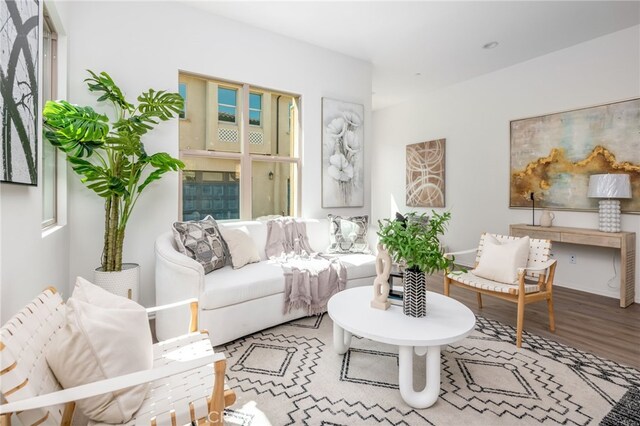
(245, 157)
(259, 110)
(48, 223)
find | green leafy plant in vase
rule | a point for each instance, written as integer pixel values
(109, 155)
(413, 240)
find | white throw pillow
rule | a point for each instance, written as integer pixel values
(105, 336)
(500, 261)
(241, 246)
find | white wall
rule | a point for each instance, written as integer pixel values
(31, 260)
(474, 118)
(142, 45)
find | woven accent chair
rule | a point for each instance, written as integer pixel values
(535, 282)
(186, 381)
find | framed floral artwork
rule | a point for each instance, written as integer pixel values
(342, 154)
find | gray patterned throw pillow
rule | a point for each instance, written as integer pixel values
(201, 240)
(348, 234)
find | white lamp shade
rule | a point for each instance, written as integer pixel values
(609, 186)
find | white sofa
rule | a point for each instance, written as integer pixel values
(237, 302)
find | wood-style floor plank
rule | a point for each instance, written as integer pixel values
(584, 321)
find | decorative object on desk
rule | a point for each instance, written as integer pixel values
(532, 196)
(381, 283)
(425, 177)
(110, 158)
(546, 220)
(342, 154)
(553, 155)
(19, 35)
(414, 241)
(610, 188)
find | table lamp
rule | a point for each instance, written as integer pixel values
(609, 188)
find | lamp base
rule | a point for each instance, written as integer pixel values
(609, 216)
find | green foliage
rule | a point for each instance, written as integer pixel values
(110, 158)
(414, 240)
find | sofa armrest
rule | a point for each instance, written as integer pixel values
(178, 277)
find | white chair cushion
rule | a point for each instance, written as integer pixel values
(241, 247)
(472, 280)
(500, 261)
(105, 336)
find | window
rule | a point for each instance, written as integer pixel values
(49, 154)
(227, 99)
(182, 89)
(255, 109)
(244, 163)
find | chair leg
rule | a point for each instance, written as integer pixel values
(447, 283)
(479, 300)
(216, 407)
(552, 318)
(5, 419)
(520, 322)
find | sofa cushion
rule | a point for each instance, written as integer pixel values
(228, 286)
(201, 240)
(241, 246)
(348, 234)
(359, 265)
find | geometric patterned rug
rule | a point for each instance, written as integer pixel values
(290, 375)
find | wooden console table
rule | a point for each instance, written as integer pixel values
(624, 241)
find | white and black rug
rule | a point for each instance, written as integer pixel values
(290, 375)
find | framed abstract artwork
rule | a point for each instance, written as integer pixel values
(342, 154)
(552, 156)
(425, 174)
(19, 108)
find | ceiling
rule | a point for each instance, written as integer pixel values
(419, 46)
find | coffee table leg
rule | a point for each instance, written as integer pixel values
(429, 395)
(341, 339)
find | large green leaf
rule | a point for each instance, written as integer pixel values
(104, 83)
(163, 163)
(74, 129)
(163, 105)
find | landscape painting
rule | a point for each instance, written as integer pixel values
(425, 174)
(342, 154)
(553, 155)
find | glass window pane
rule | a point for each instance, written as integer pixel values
(227, 114)
(49, 178)
(226, 96)
(273, 189)
(254, 118)
(182, 89)
(210, 186)
(255, 101)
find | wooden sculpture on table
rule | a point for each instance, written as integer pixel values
(381, 283)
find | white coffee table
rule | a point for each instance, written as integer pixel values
(447, 321)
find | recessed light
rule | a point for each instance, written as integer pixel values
(490, 45)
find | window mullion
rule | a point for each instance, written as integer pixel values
(245, 161)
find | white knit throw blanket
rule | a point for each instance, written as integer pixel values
(310, 280)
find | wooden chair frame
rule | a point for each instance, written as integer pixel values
(217, 401)
(542, 271)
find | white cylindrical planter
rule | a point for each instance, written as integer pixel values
(125, 283)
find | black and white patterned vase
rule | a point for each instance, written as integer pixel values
(414, 302)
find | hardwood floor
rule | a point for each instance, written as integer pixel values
(585, 321)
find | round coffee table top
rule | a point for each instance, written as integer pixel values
(447, 320)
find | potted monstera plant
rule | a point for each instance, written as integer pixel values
(109, 156)
(413, 240)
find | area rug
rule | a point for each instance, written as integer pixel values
(290, 375)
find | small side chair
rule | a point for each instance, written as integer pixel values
(186, 381)
(535, 281)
